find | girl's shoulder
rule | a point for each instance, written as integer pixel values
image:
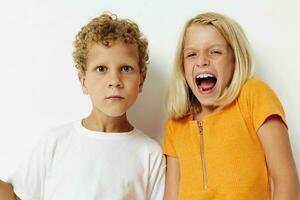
(258, 95)
(254, 84)
(182, 120)
(176, 125)
(256, 88)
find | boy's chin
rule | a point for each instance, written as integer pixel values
(117, 115)
(113, 113)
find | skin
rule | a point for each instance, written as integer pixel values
(273, 135)
(206, 51)
(172, 179)
(7, 192)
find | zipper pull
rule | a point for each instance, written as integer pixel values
(200, 126)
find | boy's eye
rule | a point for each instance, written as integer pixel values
(101, 69)
(126, 68)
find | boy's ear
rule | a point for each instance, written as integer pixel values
(81, 77)
(142, 80)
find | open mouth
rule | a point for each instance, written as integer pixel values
(206, 82)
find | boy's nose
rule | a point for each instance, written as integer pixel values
(115, 84)
(114, 81)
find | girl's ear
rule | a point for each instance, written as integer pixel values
(142, 80)
(81, 77)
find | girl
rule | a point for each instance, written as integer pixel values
(227, 133)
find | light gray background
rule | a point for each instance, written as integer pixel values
(38, 81)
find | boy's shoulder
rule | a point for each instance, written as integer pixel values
(58, 132)
(63, 133)
(61, 129)
(145, 141)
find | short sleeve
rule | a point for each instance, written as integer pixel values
(28, 179)
(262, 103)
(168, 145)
(156, 185)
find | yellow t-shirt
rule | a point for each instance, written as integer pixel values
(233, 164)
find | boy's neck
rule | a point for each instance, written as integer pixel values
(102, 123)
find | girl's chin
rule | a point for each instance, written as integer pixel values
(208, 98)
(208, 102)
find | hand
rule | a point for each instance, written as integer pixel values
(7, 192)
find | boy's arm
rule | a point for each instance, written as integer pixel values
(7, 192)
(274, 138)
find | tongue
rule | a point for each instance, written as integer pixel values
(207, 84)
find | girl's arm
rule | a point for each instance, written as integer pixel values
(172, 179)
(7, 192)
(274, 138)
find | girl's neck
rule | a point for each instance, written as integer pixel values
(205, 111)
(102, 123)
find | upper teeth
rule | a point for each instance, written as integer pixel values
(204, 75)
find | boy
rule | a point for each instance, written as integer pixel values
(102, 156)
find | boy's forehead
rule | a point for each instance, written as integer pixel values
(113, 50)
(110, 42)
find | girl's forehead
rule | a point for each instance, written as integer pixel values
(203, 35)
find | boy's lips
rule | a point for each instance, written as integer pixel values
(115, 97)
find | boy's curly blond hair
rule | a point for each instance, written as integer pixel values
(105, 29)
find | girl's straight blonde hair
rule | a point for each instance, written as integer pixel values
(180, 100)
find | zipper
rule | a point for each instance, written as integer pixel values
(205, 180)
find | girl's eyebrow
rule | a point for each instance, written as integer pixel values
(208, 47)
(188, 49)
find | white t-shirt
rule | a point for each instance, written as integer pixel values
(74, 163)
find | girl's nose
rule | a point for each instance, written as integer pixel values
(202, 61)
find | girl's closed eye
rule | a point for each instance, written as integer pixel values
(216, 52)
(188, 55)
(127, 69)
(101, 69)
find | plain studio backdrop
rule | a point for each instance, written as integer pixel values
(38, 81)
